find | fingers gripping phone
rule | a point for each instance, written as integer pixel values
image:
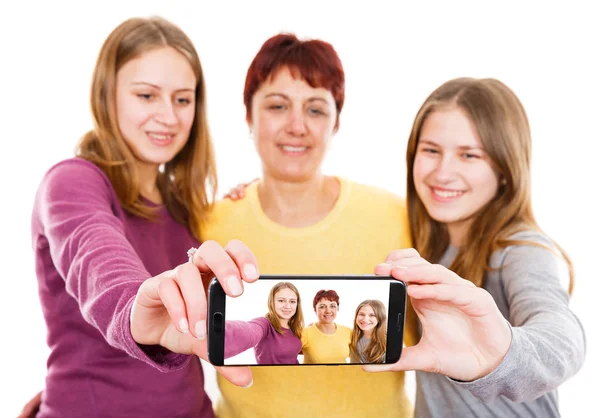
(307, 320)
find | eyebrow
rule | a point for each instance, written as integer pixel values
(286, 97)
(463, 147)
(137, 83)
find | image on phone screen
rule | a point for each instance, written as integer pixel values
(308, 320)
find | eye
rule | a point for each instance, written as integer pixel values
(144, 96)
(429, 150)
(276, 107)
(469, 156)
(315, 111)
(183, 101)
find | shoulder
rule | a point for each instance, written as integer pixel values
(373, 199)
(75, 169)
(261, 320)
(263, 324)
(533, 253)
(224, 208)
(344, 330)
(373, 192)
(529, 244)
(309, 330)
(74, 177)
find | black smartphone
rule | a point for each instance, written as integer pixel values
(307, 320)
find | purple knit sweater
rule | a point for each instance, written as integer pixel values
(270, 347)
(91, 258)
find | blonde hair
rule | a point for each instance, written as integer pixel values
(503, 127)
(183, 181)
(376, 348)
(296, 322)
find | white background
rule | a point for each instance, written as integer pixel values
(253, 303)
(394, 53)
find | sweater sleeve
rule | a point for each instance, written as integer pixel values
(548, 341)
(242, 335)
(75, 215)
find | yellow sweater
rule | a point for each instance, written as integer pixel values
(365, 224)
(318, 347)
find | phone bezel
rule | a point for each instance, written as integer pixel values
(395, 327)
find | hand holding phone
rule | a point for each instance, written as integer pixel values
(465, 335)
(308, 320)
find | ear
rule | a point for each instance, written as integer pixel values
(337, 123)
(250, 129)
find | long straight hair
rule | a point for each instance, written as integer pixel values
(184, 182)
(502, 125)
(296, 322)
(375, 350)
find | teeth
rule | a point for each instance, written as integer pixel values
(293, 149)
(160, 137)
(446, 194)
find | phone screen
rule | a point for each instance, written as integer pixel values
(308, 320)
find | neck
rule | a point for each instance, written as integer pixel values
(327, 328)
(457, 232)
(148, 173)
(368, 334)
(298, 204)
(285, 323)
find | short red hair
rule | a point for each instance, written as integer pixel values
(326, 294)
(315, 61)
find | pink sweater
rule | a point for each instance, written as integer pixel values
(91, 258)
(270, 347)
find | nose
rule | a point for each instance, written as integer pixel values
(446, 168)
(165, 113)
(296, 123)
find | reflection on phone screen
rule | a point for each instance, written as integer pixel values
(278, 322)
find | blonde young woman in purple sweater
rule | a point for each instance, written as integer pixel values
(276, 337)
(125, 310)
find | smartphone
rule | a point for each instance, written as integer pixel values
(307, 320)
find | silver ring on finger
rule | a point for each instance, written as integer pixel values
(190, 253)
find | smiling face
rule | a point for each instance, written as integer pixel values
(155, 97)
(453, 175)
(292, 125)
(326, 311)
(286, 303)
(366, 319)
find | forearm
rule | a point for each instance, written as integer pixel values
(540, 358)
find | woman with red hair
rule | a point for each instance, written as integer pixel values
(325, 341)
(297, 220)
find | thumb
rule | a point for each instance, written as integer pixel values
(239, 376)
(412, 358)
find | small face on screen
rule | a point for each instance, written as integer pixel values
(285, 301)
(366, 319)
(307, 322)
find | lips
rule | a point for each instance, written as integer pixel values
(293, 149)
(445, 195)
(161, 138)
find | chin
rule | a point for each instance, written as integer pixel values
(445, 216)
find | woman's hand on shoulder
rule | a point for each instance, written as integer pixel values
(464, 335)
(171, 309)
(239, 191)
